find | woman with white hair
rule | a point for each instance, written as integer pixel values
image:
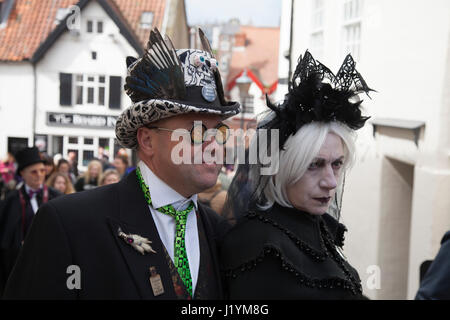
(283, 244)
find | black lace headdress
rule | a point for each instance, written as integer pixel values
(315, 94)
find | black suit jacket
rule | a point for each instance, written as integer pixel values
(12, 228)
(82, 230)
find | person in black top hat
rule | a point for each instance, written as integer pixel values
(147, 236)
(18, 209)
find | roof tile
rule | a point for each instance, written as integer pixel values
(30, 23)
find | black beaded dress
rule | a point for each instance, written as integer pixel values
(284, 253)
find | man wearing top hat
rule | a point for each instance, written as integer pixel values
(17, 211)
(146, 237)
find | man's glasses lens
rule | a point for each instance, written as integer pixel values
(199, 133)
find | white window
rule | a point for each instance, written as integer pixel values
(351, 35)
(317, 38)
(90, 89)
(146, 20)
(316, 44)
(317, 14)
(248, 104)
(352, 10)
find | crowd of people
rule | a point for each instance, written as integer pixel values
(63, 175)
(269, 236)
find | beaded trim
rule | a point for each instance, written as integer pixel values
(302, 278)
(327, 242)
(302, 245)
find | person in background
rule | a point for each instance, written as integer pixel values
(103, 156)
(49, 166)
(18, 210)
(7, 168)
(147, 236)
(63, 167)
(91, 178)
(109, 176)
(7, 176)
(61, 182)
(214, 197)
(72, 156)
(121, 164)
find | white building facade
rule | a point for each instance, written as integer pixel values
(80, 87)
(396, 204)
(68, 95)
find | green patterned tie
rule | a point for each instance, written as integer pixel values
(181, 261)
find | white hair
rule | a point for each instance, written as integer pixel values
(299, 151)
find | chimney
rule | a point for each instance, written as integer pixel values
(5, 9)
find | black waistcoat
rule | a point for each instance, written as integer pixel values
(284, 253)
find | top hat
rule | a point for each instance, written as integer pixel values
(166, 82)
(27, 157)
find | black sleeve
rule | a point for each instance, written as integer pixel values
(436, 283)
(41, 268)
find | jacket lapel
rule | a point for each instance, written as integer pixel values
(133, 217)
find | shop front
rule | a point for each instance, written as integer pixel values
(88, 136)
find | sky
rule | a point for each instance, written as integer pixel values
(256, 12)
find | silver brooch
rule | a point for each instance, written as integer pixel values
(139, 243)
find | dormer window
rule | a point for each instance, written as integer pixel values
(146, 20)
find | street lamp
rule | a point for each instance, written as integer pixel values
(243, 83)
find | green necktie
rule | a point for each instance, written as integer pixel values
(180, 256)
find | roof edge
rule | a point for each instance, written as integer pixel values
(113, 13)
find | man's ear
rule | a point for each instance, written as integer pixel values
(146, 141)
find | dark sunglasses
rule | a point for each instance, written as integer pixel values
(199, 133)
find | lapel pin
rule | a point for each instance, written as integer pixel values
(139, 243)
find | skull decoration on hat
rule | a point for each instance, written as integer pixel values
(166, 82)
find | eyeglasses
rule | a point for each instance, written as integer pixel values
(199, 133)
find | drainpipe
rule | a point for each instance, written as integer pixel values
(34, 103)
(290, 40)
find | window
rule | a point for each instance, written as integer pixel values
(88, 155)
(99, 26)
(146, 20)
(94, 26)
(73, 140)
(352, 12)
(317, 14)
(90, 89)
(316, 37)
(88, 141)
(90, 26)
(248, 104)
(94, 55)
(316, 44)
(83, 89)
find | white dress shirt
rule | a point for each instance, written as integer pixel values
(33, 200)
(162, 195)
